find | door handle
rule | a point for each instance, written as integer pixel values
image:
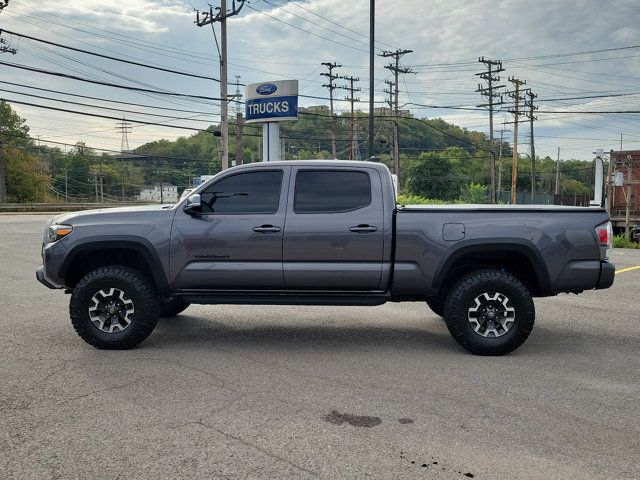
(363, 228)
(266, 229)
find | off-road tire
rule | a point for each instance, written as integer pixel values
(436, 304)
(462, 297)
(173, 307)
(136, 286)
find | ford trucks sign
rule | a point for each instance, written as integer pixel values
(272, 101)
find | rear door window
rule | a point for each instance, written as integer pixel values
(331, 191)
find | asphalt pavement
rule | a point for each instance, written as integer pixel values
(315, 392)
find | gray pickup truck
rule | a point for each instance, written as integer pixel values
(321, 233)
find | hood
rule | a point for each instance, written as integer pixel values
(125, 214)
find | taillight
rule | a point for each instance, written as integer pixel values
(604, 233)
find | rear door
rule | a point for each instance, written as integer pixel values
(235, 242)
(334, 233)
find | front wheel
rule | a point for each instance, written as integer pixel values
(436, 304)
(173, 307)
(490, 312)
(114, 307)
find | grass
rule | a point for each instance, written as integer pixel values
(622, 241)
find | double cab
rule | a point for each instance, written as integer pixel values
(321, 233)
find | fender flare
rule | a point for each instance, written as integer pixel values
(517, 245)
(117, 242)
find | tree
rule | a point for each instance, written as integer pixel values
(26, 179)
(431, 176)
(474, 193)
(13, 131)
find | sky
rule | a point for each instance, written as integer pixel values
(546, 43)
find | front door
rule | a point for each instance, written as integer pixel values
(235, 241)
(334, 235)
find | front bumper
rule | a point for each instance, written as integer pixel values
(41, 278)
(607, 275)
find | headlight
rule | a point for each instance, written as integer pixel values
(56, 232)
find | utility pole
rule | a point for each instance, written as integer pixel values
(557, 189)
(396, 134)
(490, 92)
(394, 99)
(209, 18)
(610, 181)
(124, 128)
(239, 123)
(532, 146)
(499, 189)
(352, 100)
(627, 221)
(372, 57)
(516, 96)
(3, 177)
(331, 86)
(396, 69)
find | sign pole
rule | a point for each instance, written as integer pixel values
(271, 142)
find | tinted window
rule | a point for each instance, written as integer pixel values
(255, 192)
(331, 191)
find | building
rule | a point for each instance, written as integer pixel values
(624, 163)
(160, 193)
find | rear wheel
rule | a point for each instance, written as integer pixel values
(490, 312)
(114, 307)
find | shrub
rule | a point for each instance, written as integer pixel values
(622, 241)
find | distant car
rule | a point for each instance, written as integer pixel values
(186, 193)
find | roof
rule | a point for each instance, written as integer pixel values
(313, 163)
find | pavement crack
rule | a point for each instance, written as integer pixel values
(258, 447)
(108, 389)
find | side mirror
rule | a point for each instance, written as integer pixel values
(194, 204)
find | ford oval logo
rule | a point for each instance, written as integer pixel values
(266, 89)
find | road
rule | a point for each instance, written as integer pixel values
(315, 392)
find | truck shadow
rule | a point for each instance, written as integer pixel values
(189, 330)
(432, 335)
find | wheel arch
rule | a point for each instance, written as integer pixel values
(93, 252)
(496, 253)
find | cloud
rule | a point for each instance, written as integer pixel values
(146, 16)
(439, 32)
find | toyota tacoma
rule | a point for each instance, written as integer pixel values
(321, 233)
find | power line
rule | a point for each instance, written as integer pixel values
(107, 84)
(306, 31)
(142, 122)
(105, 108)
(337, 24)
(95, 54)
(105, 99)
(590, 97)
(315, 24)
